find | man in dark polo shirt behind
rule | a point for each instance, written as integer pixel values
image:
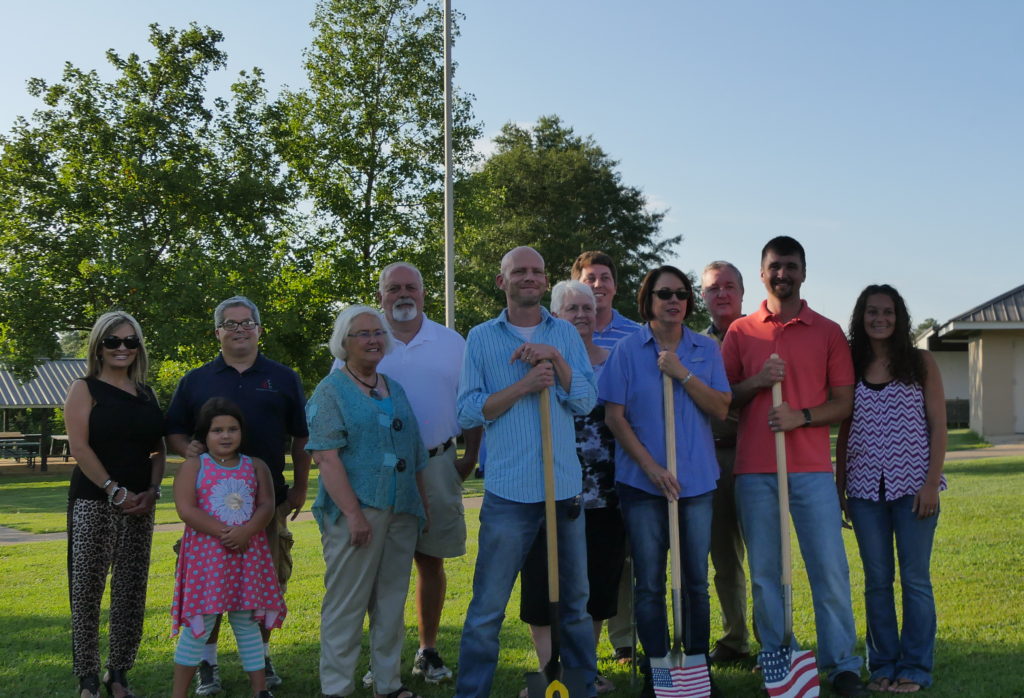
(270, 396)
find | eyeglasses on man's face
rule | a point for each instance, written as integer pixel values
(231, 325)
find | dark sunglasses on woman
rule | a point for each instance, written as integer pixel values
(115, 342)
(666, 293)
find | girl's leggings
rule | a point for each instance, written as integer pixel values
(247, 635)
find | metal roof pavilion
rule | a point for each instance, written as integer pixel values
(47, 389)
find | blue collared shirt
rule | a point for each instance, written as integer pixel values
(619, 327)
(515, 467)
(270, 396)
(631, 378)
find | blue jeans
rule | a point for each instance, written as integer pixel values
(507, 530)
(814, 508)
(893, 654)
(646, 517)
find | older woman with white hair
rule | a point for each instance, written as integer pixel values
(370, 507)
(574, 302)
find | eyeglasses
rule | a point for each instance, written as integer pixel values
(231, 325)
(666, 293)
(366, 334)
(131, 342)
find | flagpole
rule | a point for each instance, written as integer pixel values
(449, 194)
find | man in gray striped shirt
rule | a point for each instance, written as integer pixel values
(509, 360)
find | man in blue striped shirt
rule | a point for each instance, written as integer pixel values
(597, 270)
(509, 360)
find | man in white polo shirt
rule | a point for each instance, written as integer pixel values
(426, 359)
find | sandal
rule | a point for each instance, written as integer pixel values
(402, 692)
(90, 683)
(905, 686)
(880, 685)
(121, 679)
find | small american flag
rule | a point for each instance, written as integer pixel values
(688, 681)
(789, 674)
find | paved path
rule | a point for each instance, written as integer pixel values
(1012, 448)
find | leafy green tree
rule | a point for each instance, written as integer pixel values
(560, 193)
(140, 194)
(924, 326)
(365, 141)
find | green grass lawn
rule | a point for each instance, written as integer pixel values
(978, 566)
(958, 440)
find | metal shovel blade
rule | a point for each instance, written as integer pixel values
(676, 675)
(572, 683)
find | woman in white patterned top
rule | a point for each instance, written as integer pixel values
(889, 461)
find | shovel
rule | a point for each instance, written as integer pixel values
(555, 681)
(788, 673)
(677, 674)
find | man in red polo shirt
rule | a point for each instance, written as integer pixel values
(817, 378)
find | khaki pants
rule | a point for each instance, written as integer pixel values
(373, 578)
(727, 557)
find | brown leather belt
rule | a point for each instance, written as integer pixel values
(442, 448)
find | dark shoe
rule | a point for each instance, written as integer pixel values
(647, 691)
(623, 655)
(723, 654)
(273, 680)
(848, 684)
(263, 694)
(121, 679)
(402, 692)
(90, 683)
(208, 679)
(429, 665)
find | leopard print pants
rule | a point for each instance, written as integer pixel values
(101, 539)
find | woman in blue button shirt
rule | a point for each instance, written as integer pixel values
(631, 386)
(370, 507)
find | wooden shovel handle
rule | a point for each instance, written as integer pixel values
(671, 463)
(550, 520)
(783, 486)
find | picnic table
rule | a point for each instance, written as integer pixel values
(20, 447)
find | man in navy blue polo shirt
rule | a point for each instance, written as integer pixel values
(270, 396)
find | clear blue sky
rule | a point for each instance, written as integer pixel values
(886, 136)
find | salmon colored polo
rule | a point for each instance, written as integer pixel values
(817, 356)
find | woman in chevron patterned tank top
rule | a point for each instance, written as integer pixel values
(889, 461)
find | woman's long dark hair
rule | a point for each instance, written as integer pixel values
(905, 362)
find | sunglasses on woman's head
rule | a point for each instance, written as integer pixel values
(115, 342)
(666, 293)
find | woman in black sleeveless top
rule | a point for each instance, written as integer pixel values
(115, 430)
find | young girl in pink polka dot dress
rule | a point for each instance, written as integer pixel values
(226, 500)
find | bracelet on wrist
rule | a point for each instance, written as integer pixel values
(157, 492)
(106, 484)
(687, 379)
(113, 496)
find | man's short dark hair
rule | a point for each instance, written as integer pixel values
(784, 245)
(589, 259)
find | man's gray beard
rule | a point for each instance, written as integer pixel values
(404, 313)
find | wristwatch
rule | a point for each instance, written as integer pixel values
(156, 491)
(807, 417)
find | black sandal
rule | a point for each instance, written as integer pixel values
(90, 683)
(400, 691)
(120, 678)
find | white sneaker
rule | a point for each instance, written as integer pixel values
(368, 679)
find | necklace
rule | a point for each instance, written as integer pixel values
(373, 388)
(222, 461)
